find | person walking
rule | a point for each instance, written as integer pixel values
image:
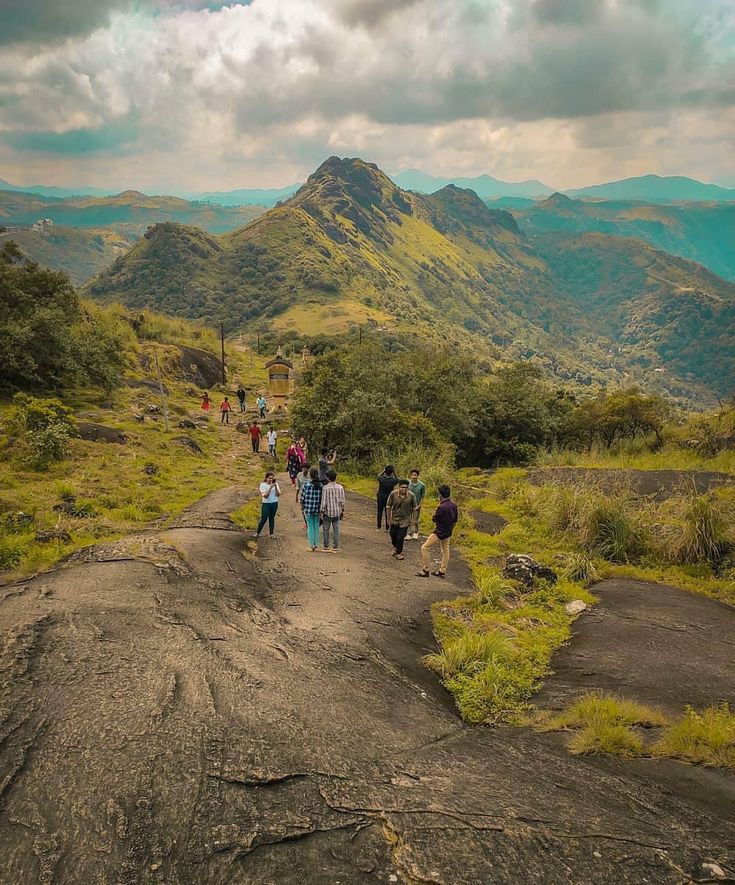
(206, 403)
(240, 393)
(224, 411)
(262, 405)
(272, 441)
(418, 489)
(387, 481)
(445, 518)
(399, 510)
(311, 503)
(255, 435)
(295, 458)
(332, 510)
(270, 492)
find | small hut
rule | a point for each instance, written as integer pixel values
(279, 382)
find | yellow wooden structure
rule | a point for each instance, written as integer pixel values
(280, 382)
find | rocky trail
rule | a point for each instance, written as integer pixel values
(179, 707)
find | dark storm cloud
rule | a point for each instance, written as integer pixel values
(42, 21)
(370, 13)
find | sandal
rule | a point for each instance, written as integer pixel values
(422, 574)
(439, 574)
(400, 556)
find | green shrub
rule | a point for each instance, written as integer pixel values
(43, 428)
(11, 552)
(594, 709)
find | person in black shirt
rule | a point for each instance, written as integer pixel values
(387, 481)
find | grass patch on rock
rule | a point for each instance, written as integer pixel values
(706, 737)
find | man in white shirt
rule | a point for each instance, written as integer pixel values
(272, 440)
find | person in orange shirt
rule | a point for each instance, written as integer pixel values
(224, 410)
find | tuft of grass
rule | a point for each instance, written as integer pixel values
(581, 568)
(707, 737)
(704, 536)
(468, 654)
(606, 737)
(609, 532)
(595, 709)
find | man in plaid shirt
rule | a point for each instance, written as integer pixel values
(332, 510)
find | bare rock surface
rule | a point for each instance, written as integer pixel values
(179, 707)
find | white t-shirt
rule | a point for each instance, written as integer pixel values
(272, 437)
(268, 493)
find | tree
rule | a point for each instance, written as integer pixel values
(46, 339)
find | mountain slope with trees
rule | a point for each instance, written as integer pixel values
(703, 232)
(445, 268)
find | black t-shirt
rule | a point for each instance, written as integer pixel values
(386, 484)
(323, 467)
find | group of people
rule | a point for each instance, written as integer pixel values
(322, 501)
(225, 407)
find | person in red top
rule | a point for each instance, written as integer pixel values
(224, 411)
(205, 403)
(255, 434)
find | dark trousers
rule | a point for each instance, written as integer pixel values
(242, 404)
(268, 514)
(256, 443)
(225, 418)
(381, 510)
(398, 536)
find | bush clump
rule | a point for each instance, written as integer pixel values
(42, 428)
(707, 737)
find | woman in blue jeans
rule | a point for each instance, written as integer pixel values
(311, 503)
(270, 492)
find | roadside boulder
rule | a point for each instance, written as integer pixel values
(187, 424)
(527, 571)
(242, 426)
(575, 607)
(100, 433)
(188, 443)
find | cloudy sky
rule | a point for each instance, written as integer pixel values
(195, 95)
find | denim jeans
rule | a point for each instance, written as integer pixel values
(331, 522)
(312, 528)
(267, 514)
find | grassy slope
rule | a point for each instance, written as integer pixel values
(110, 478)
(450, 268)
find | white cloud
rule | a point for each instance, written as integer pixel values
(260, 93)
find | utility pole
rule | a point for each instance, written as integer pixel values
(360, 328)
(258, 342)
(222, 341)
(164, 404)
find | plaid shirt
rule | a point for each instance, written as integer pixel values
(311, 499)
(333, 499)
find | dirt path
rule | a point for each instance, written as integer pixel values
(172, 711)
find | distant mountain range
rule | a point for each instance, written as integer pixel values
(647, 188)
(656, 189)
(485, 186)
(350, 248)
